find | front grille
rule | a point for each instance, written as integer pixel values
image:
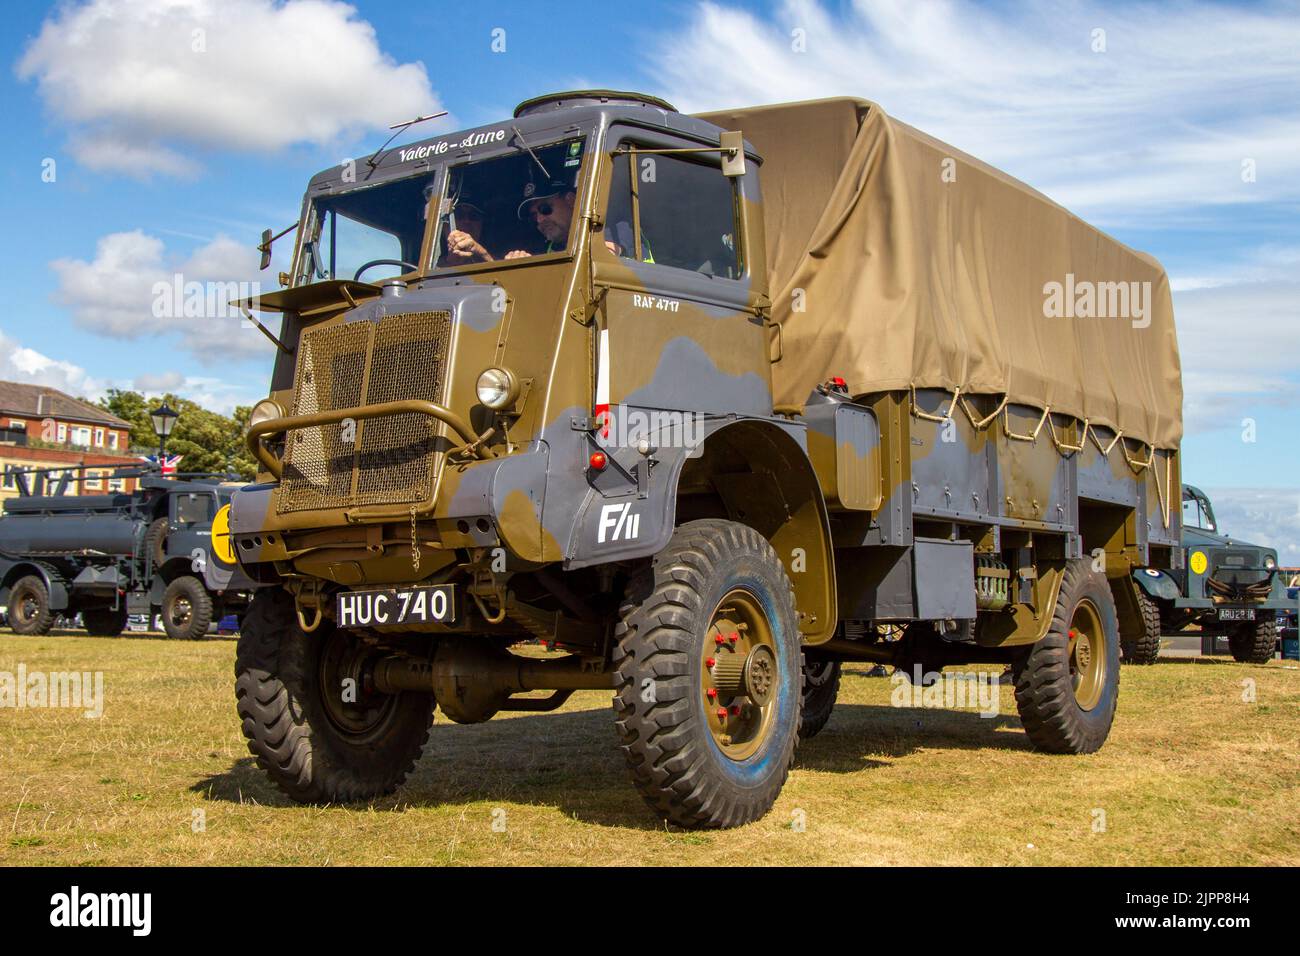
(388, 460)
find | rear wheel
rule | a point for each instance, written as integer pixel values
(29, 606)
(186, 609)
(105, 622)
(708, 676)
(311, 719)
(1067, 686)
(821, 685)
(1144, 647)
(1254, 642)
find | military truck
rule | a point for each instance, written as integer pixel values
(1225, 588)
(163, 548)
(706, 442)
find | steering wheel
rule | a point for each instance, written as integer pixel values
(409, 266)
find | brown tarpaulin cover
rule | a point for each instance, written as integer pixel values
(911, 277)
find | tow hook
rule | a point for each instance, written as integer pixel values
(308, 598)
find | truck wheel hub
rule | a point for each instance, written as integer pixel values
(739, 675)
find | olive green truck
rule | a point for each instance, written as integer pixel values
(709, 405)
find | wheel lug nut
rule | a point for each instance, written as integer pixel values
(735, 710)
(722, 712)
(710, 661)
(734, 637)
(711, 692)
(717, 639)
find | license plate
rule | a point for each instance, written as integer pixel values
(1236, 614)
(431, 605)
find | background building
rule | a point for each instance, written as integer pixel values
(42, 427)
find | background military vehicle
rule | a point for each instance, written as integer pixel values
(708, 443)
(1225, 587)
(163, 548)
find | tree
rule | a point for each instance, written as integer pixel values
(208, 440)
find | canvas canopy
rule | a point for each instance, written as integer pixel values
(897, 261)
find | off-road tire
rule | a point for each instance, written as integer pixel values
(1052, 716)
(278, 695)
(675, 762)
(1254, 642)
(191, 589)
(821, 685)
(105, 622)
(1144, 647)
(41, 619)
(155, 542)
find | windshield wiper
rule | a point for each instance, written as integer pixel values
(524, 143)
(373, 161)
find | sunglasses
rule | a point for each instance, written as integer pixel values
(541, 209)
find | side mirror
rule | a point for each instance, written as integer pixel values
(265, 248)
(733, 153)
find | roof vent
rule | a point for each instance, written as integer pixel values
(562, 101)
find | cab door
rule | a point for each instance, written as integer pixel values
(675, 258)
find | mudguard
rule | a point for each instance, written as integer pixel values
(1159, 584)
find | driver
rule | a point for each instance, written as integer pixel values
(550, 208)
(464, 242)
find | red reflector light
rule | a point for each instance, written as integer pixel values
(598, 461)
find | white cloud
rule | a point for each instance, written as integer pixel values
(155, 383)
(21, 364)
(140, 81)
(133, 288)
(1264, 516)
(1239, 342)
(1161, 120)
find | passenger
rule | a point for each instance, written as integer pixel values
(618, 240)
(464, 242)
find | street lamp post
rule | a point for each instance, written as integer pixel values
(164, 420)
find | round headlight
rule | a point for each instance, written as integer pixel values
(1269, 562)
(264, 411)
(498, 388)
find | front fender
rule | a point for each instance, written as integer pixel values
(754, 471)
(1158, 584)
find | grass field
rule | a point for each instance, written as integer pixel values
(1192, 774)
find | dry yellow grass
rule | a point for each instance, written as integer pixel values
(1192, 774)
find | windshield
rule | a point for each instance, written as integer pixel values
(510, 207)
(1197, 512)
(384, 222)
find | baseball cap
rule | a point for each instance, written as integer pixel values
(548, 190)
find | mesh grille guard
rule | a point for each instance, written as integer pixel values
(392, 460)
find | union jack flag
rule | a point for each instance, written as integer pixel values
(166, 465)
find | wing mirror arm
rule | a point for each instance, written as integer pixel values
(264, 247)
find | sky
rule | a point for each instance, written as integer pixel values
(150, 138)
